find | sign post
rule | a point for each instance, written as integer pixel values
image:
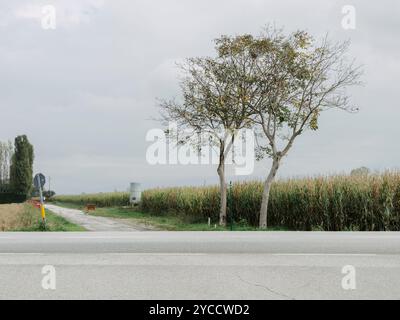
(39, 181)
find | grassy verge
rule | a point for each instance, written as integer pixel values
(168, 222)
(24, 217)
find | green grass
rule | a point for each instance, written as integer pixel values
(57, 223)
(168, 222)
(54, 223)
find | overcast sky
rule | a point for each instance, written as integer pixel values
(85, 92)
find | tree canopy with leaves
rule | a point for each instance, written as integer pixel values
(216, 93)
(275, 83)
(295, 79)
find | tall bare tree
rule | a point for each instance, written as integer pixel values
(6, 153)
(216, 100)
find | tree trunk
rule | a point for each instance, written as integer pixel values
(222, 187)
(223, 194)
(265, 197)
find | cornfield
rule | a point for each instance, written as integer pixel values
(337, 203)
(112, 199)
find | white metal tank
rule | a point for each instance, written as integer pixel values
(136, 192)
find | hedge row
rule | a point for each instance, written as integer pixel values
(7, 195)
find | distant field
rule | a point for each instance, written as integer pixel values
(111, 199)
(24, 217)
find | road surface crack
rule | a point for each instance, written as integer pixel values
(282, 295)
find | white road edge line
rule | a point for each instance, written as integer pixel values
(193, 254)
(327, 254)
(100, 253)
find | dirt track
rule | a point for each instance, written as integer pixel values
(92, 223)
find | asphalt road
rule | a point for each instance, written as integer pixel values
(200, 265)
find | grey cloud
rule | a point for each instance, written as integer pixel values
(85, 92)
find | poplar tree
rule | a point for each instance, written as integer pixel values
(21, 173)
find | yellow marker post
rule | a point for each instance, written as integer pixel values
(43, 211)
(39, 181)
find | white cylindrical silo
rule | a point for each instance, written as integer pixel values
(136, 192)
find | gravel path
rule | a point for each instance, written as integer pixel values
(92, 223)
